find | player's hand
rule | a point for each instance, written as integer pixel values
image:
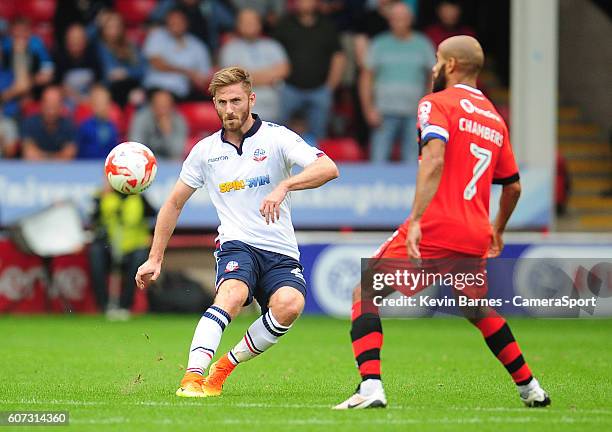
(413, 239)
(270, 206)
(147, 273)
(496, 246)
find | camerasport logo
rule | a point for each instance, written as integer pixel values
(259, 155)
(231, 266)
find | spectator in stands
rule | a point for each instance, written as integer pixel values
(8, 137)
(178, 61)
(160, 126)
(298, 124)
(394, 78)
(83, 12)
(264, 58)
(26, 57)
(97, 135)
(121, 244)
(15, 83)
(270, 11)
(374, 22)
(207, 19)
(76, 65)
(449, 23)
(49, 135)
(123, 65)
(317, 62)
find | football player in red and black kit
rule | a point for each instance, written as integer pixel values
(465, 147)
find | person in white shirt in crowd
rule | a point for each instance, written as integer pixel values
(246, 168)
(265, 59)
(178, 61)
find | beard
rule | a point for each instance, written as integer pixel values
(236, 121)
(439, 81)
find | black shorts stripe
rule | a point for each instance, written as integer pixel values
(507, 180)
(269, 328)
(364, 325)
(500, 339)
(371, 354)
(515, 364)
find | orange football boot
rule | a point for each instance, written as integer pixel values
(218, 373)
(191, 385)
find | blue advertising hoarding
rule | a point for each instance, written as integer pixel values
(365, 196)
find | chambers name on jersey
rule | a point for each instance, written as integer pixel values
(239, 178)
(478, 153)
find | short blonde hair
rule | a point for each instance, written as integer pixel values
(229, 76)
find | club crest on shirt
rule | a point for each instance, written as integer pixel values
(259, 155)
(231, 266)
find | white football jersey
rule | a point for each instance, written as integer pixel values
(238, 180)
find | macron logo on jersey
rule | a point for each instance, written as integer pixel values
(217, 159)
(249, 183)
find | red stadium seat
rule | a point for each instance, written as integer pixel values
(200, 117)
(135, 11)
(37, 10)
(342, 149)
(8, 9)
(136, 34)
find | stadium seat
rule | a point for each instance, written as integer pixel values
(342, 149)
(135, 11)
(8, 9)
(44, 31)
(37, 10)
(200, 117)
(136, 34)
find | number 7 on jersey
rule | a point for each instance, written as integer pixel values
(483, 157)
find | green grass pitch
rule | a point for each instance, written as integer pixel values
(438, 373)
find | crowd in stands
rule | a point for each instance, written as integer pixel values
(78, 77)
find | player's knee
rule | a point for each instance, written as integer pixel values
(287, 304)
(231, 295)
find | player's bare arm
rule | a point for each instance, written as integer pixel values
(428, 180)
(164, 227)
(507, 202)
(314, 175)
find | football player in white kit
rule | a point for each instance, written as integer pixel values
(246, 167)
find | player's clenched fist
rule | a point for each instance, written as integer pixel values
(270, 206)
(147, 273)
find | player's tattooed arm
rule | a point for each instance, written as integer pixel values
(428, 180)
(314, 175)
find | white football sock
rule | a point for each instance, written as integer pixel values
(524, 389)
(206, 338)
(370, 386)
(260, 336)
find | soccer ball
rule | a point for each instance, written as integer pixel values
(130, 168)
